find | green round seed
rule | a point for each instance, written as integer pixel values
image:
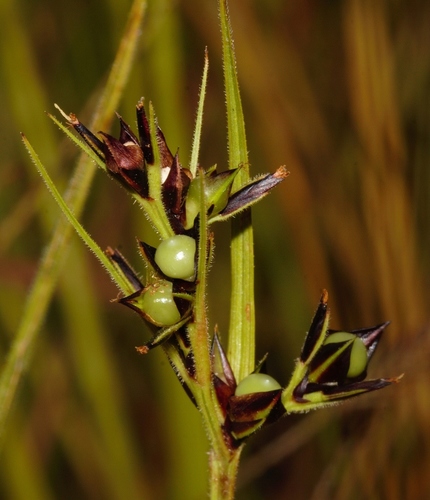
(256, 382)
(175, 257)
(358, 360)
(159, 305)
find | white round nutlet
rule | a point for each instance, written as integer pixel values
(158, 304)
(256, 382)
(358, 359)
(175, 256)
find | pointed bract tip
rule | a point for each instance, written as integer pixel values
(324, 296)
(71, 118)
(281, 172)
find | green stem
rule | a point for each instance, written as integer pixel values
(241, 347)
(200, 339)
(223, 455)
(224, 458)
(223, 474)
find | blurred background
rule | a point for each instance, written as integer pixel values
(339, 93)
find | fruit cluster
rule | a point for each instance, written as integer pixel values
(181, 204)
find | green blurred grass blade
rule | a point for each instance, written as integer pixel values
(23, 470)
(98, 379)
(165, 73)
(241, 346)
(50, 265)
(19, 71)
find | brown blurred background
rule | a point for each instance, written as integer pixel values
(338, 91)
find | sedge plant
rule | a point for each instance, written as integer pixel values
(233, 393)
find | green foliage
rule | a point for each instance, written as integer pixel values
(339, 96)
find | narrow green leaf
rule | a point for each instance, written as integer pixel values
(241, 347)
(199, 119)
(119, 279)
(238, 152)
(198, 331)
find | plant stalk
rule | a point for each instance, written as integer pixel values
(241, 345)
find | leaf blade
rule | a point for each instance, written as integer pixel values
(241, 345)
